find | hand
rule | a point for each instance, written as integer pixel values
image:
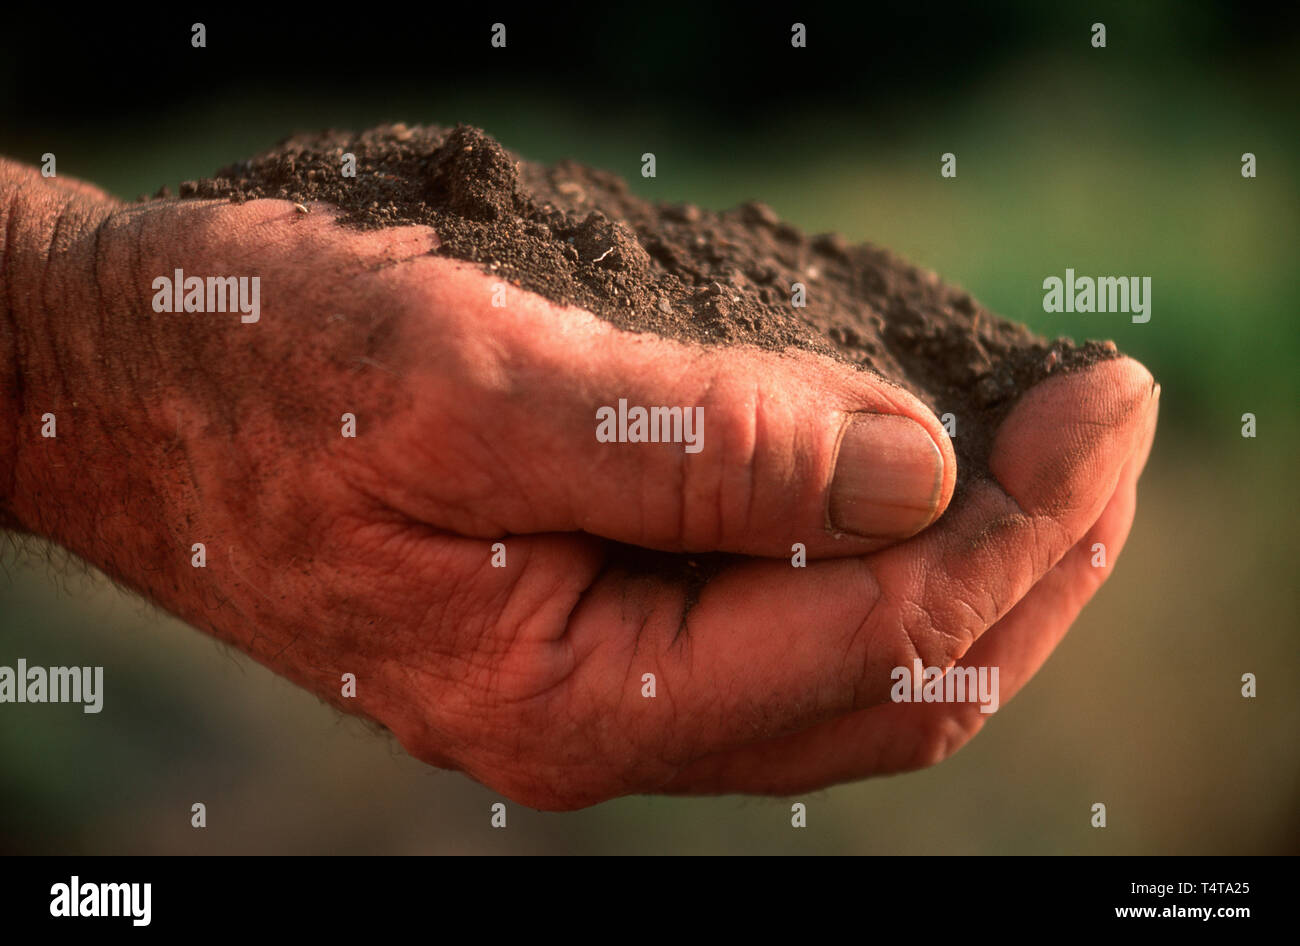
(372, 555)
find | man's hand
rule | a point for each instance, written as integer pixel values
(475, 424)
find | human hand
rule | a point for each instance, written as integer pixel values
(328, 555)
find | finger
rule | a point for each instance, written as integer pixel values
(896, 737)
(534, 418)
(766, 649)
(770, 649)
(1021, 646)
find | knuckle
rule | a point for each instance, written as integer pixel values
(718, 484)
(942, 739)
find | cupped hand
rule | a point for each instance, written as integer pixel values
(463, 556)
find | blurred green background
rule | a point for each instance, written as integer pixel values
(1123, 160)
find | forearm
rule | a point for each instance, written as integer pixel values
(30, 211)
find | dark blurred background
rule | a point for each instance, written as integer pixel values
(1117, 161)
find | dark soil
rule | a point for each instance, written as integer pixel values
(577, 235)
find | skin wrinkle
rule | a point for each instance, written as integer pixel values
(632, 677)
(981, 620)
(97, 272)
(50, 255)
(706, 399)
(913, 649)
(750, 459)
(737, 426)
(680, 492)
(135, 265)
(562, 636)
(545, 636)
(147, 358)
(20, 350)
(1014, 520)
(960, 639)
(1041, 550)
(920, 625)
(511, 593)
(858, 680)
(673, 761)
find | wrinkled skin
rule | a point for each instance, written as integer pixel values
(372, 555)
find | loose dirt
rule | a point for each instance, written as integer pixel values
(578, 236)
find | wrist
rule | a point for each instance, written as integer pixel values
(48, 323)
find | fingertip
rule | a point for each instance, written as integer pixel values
(949, 454)
(1069, 436)
(891, 476)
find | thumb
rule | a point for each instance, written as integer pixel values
(577, 425)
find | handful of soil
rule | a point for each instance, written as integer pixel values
(578, 236)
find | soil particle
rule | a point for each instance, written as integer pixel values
(578, 236)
